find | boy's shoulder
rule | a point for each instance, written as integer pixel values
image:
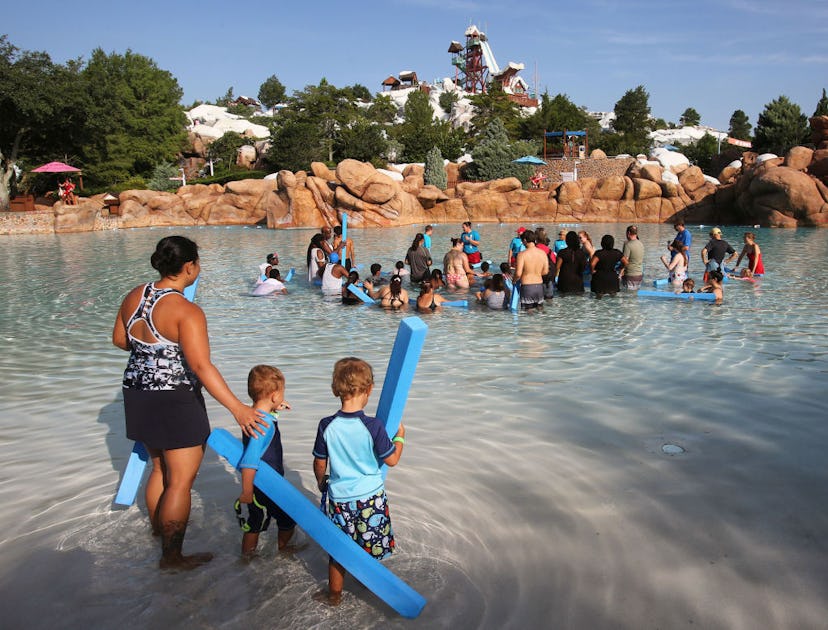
(369, 421)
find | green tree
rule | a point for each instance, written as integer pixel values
(558, 114)
(364, 141)
(494, 154)
(447, 100)
(416, 133)
(357, 92)
(226, 148)
(382, 110)
(43, 112)
(491, 105)
(295, 144)
(135, 118)
(435, 170)
(327, 108)
(739, 126)
(162, 177)
(690, 117)
(822, 105)
(271, 92)
(702, 152)
(632, 120)
(780, 126)
(227, 99)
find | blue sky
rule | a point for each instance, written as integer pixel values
(716, 56)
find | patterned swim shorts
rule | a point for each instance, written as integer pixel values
(367, 522)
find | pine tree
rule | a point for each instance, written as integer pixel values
(822, 105)
(781, 125)
(739, 126)
(435, 170)
(690, 117)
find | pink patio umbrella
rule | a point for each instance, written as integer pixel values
(58, 167)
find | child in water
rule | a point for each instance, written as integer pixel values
(266, 387)
(688, 286)
(355, 445)
(714, 285)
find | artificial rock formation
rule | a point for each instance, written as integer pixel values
(767, 190)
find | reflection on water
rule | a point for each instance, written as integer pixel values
(534, 491)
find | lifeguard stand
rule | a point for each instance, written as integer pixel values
(574, 144)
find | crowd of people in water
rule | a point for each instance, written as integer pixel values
(535, 266)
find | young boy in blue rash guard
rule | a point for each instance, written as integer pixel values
(355, 445)
(266, 387)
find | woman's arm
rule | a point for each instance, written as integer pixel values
(742, 255)
(195, 344)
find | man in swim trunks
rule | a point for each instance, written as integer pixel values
(471, 240)
(532, 265)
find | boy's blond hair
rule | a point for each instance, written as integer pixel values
(263, 380)
(351, 376)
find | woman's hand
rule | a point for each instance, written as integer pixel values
(251, 421)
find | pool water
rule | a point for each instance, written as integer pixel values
(535, 490)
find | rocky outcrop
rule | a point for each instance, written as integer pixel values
(769, 190)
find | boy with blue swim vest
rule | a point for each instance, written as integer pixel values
(355, 445)
(266, 387)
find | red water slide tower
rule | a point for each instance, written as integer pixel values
(470, 61)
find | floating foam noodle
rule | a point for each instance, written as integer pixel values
(399, 375)
(705, 297)
(661, 282)
(360, 294)
(365, 568)
(514, 302)
(138, 458)
(290, 274)
(477, 265)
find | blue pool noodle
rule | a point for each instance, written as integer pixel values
(365, 568)
(708, 297)
(362, 295)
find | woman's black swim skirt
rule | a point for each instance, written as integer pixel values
(166, 419)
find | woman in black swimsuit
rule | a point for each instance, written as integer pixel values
(391, 296)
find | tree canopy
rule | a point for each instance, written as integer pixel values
(632, 120)
(781, 125)
(271, 92)
(739, 126)
(690, 117)
(822, 105)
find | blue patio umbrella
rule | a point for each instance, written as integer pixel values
(529, 159)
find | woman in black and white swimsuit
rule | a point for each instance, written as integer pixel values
(169, 362)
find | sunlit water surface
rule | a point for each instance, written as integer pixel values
(534, 491)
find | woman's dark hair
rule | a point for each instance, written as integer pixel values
(353, 277)
(425, 287)
(454, 241)
(316, 241)
(497, 284)
(171, 253)
(395, 286)
(399, 264)
(436, 274)
(607, 241)
(274, 273)
(418, 238)
(572, 239)
(677, 245)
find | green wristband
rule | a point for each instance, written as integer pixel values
(399, 439)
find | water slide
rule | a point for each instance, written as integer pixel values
(488, 57)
